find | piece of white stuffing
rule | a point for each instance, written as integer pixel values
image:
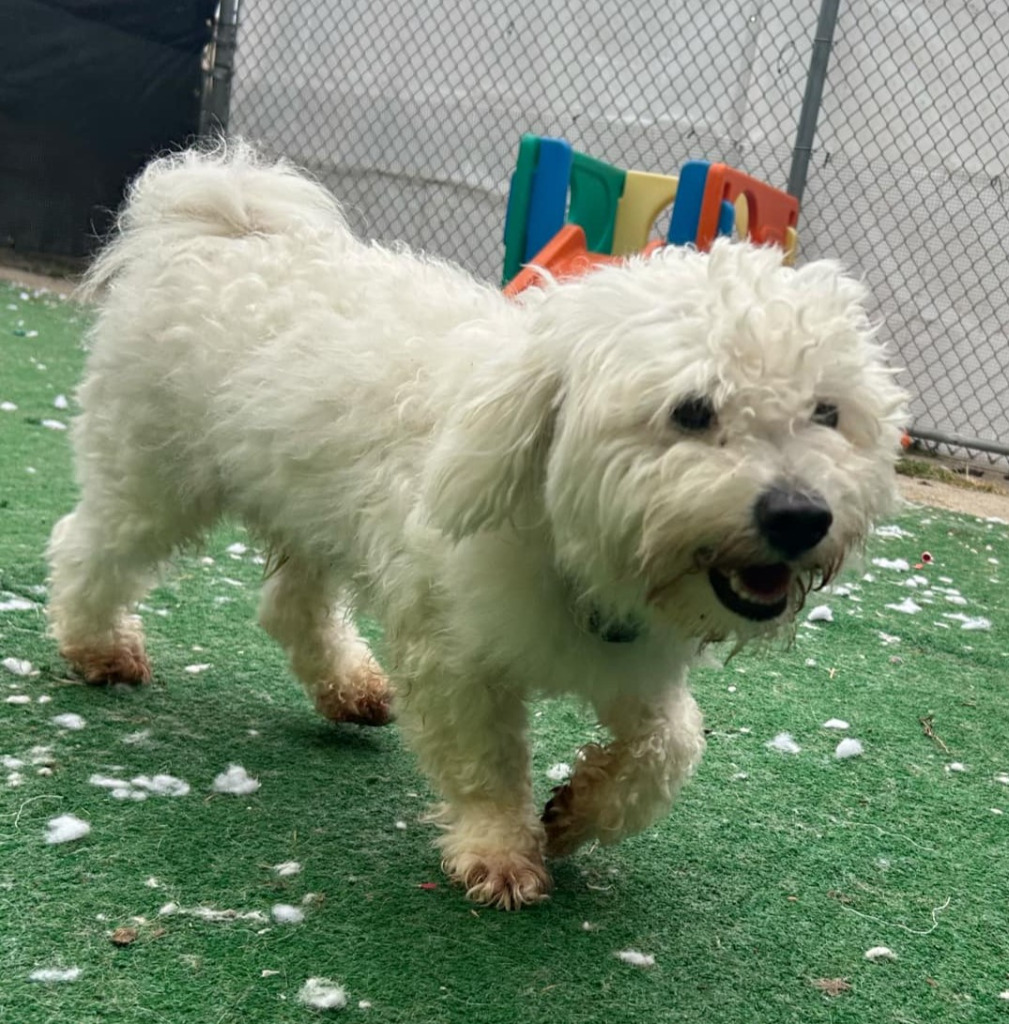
(236, 781)
(287, 868)
(19, 698)
(13, 603)
(784, 743)
(835, 723)
(559, 772)
(906, 607)
(323, 994)
(161, 785)
(956, 766)
(821, 613)
(848, 747)
(65, 829)
(878, 953)
(55, 975)
(126, 792)
(11, 762)
(69, 720)
(890, 531)
(634, 958)
(969, 622)
(1002, 778)
(17, 666)
(54, 425)
(900, 564)
(284, 913)
(60, 402)
(195, 670)
(134, 738)
(106, 782)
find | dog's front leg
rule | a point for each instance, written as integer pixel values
(470, 738)
(623, 787)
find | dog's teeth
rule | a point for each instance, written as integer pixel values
(740, 589)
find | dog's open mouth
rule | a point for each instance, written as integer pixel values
(758, 592)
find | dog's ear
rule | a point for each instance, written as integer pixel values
(490, 459)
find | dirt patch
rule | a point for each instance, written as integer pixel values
(29, 279)
(962, 498)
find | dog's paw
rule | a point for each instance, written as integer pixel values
(123, 661)
(361, 697)
(502, 879)
(565, 829)
(368, 710)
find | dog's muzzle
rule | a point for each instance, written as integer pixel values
(791, 523)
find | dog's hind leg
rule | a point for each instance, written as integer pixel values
(333, 662)
(102, 560)
(622, 788)
(471, 741)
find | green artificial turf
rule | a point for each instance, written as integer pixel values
(774, 870)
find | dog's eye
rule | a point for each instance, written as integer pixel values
(695, 413)
(826, 414)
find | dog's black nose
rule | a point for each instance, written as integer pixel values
(792, 521)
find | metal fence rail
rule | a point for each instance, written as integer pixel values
(411, 111)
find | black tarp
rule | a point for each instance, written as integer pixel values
(89, 90)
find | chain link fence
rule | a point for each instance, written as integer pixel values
(908, 183)
(411, 112)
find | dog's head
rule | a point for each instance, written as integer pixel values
(705, 436)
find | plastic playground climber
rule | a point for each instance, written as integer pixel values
(568, 212)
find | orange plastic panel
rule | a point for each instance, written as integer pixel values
(771, 211)
(565, 255)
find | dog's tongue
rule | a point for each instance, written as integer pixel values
(766, 580)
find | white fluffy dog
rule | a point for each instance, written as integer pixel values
(568, 493)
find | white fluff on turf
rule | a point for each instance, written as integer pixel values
(784, 743)
(65, 829)
(323, 994)
(236, 781)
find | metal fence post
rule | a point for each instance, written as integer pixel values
(217, 98)
(803, 150)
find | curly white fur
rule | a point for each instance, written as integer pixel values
(498, 482)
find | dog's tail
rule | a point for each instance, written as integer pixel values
(227, 191)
